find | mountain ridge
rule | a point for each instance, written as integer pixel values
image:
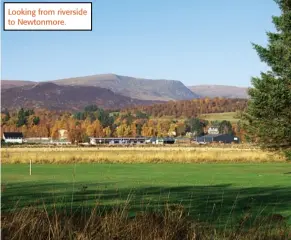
(141, 88)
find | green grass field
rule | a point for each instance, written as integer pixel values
(228, 116)
(212, 192)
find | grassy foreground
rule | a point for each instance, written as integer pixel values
(216, 192)
(91, 193)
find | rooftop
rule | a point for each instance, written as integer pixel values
(13, 134)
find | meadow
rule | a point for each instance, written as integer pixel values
(215, 190)
(143, 154)
(228, 116)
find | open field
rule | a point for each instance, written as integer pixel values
(138, 155)
(217, 195)
(226, 193)
(211, 192)
(228, 116)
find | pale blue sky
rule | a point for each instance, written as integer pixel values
(194, 41)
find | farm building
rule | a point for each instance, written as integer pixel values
(158, 140)
(95, 140)
(13, 137)
(224, 138)
(169, 140)
(131, 140)
(213, 130)
(46, 140)
(63, 134)
(40, 140)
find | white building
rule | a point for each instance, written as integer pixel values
(13, 137)
(213, 130)
(63, 134)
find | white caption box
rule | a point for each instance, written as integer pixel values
(48, 16)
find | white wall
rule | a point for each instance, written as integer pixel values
(15, 140)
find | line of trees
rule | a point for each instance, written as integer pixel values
(97, 122)
(193, 108)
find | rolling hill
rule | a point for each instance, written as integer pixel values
(56, 97)
(219, 91)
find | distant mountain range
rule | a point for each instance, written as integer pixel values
(220, 91)
(106, 90)
(144, 89)
(56, 97)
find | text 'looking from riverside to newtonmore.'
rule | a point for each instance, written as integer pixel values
(48, 16)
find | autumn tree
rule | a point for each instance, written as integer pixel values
(90, 131)
(159, 130)
(181, 128)
(133, 130)
(122, 130)
(107, 131)
(173, 129)
(98, 129)
(147, 131)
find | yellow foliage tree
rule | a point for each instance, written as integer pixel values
(107, 131)
(121, 130)
(133, 130)
(98, 129)
(90, 130)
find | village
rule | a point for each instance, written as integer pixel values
(213, 136)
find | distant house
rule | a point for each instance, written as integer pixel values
(224, 138)
(13, 137)
(63, 134)
(213, 130)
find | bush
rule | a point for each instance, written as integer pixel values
(287, 154)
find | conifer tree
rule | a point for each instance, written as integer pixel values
(269, 107)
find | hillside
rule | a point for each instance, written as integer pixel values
(5, 84)
(55, 97)
(220, 91)
(144, 89)
(192, 108)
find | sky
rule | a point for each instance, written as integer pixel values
(194, 41)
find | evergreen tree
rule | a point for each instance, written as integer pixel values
(91, 108)
(196, 127)
(225, 127)
(21, 118)
(269, 108)
(36, 120)
(7, 117)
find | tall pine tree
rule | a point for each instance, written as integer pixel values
(269, 108)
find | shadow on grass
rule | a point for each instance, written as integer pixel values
(213, 203)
